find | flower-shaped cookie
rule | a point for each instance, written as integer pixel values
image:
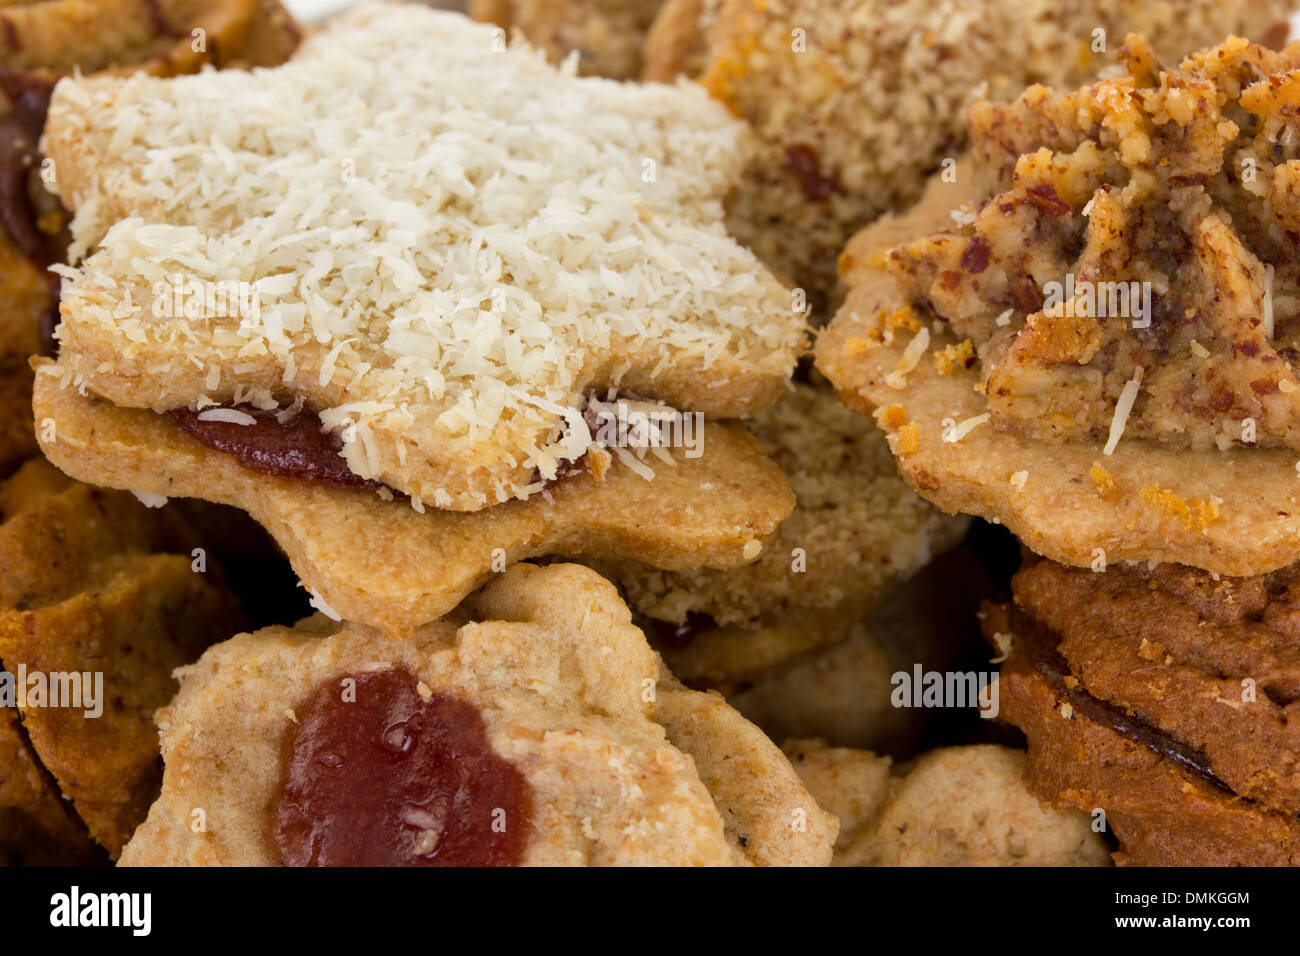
(1089, 332)
(533, 726)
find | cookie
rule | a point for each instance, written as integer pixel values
(17, 438)
(721, 508)
(607, 35)
(1162, 697)
(788, 633)
(160, 37)
(36, 827)
(42, 42)
(955, 806)
(440, 316)
(856, 103)
(843, 692)
(1158, 435)
(571, 746)
(856, 530)
(100, 599)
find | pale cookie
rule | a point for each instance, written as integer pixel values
(856, 102)
(844, 692)
(956, 806)
(445, 275)
(379, 562)
(571, 746)
(1097, 439)
(856, 531)
(607, 35)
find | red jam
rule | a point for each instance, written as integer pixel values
(297, 449)
(379, 776)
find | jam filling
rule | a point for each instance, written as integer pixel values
(298, 448)
(377, 774)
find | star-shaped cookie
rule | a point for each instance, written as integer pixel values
(442, 246)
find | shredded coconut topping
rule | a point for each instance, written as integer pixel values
(909, 359)
(964, 427)
(232, 415)
(1127, 396)
(318, 602)
(440, 247)
(149, 499)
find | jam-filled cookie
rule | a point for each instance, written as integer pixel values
(446, 278)
(519, 345)
(535, 725)
(1162, 700)
(719, 509)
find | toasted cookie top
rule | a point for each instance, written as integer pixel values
(856, 102)
(1087, 331)
(443, 267)
(575, 747)
(1131, 273)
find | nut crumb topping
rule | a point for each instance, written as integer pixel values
(1138, 229)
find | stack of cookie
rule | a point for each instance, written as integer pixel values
(504, 368)
(100, 596)
(1088, 335)
(414, 382)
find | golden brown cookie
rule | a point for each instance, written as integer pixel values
(1164, 698)
(718, 509)
(100, 600)
(161, 37)
(1163, 434)
(956, 806)
(441, 316)
(607, 35)
(36, 827)
(789, 632)
(856, 102)
(573, 747)
(17, 438)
